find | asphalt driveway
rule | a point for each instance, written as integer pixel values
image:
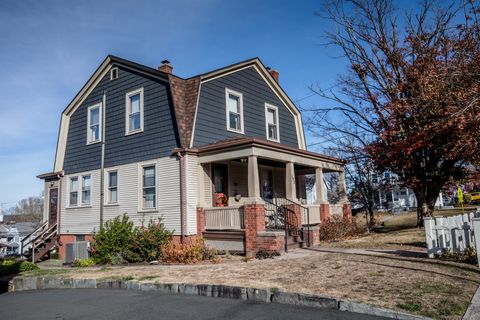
(128, 304)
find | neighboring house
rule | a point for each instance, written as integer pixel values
(11, 236)
(395, 198)
(220, 155)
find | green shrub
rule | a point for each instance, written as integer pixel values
(145, 242)
(82, 263)
(8, 267)
(112, 240)
(27, 266)
(338, 228)
(193, 250)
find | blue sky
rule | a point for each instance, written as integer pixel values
(50, 48)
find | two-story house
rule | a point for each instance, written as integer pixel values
(220, 155)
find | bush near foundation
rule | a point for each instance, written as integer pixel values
(120, 242)
(110, 244)
(146, 242)
(193, 250)
(338, 228)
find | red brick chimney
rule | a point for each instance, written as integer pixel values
(165, 67)
(274, 73)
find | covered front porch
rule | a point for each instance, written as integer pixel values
(286, 184)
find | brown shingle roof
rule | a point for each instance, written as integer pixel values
(184, 95)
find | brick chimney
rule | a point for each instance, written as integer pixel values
(274, 73)
(165, 67)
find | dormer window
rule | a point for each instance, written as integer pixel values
(94, 130)
(234, 101)
(134, 112)
(271, 123)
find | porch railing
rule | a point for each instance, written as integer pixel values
(224, 218)
(336, 210)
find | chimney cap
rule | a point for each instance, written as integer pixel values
(165, 61)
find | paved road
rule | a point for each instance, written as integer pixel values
(128, 304)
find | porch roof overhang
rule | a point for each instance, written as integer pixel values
(50, 175)
(238, 148)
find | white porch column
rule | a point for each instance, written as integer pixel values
(290, 186)
(253, 178)
(319, 186)
(342, 186)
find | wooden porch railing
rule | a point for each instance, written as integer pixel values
(336, 209)
(224, 218)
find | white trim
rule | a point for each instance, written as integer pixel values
(80, 203)
(100, 124)
(195, 117)
(140, 186)
(107, 201)
(127, 114)
(111, 73)
(69, 190)
(277, 122)
(239, 95)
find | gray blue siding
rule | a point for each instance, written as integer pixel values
(157, 140)
(210, 125)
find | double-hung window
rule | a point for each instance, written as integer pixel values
(73, 191)
(86, 183)
(134, 111)
(271, 122)
(80, 191)
(148, 187)
(113, 187)
(94, 130)
(234, 102)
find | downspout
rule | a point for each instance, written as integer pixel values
(181, 164)
(102, 161)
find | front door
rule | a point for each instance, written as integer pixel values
(220, 185)
(52, 206)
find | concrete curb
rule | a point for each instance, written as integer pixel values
(473, 311)
(219, 291)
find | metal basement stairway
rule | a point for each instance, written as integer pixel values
(285, 214)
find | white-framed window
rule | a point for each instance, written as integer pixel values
(113, 73)
(73, 191)
(149, 190)
(94, 123)
(234, 106)
(112, 186)
(86, 184)
(271, 123)
(134, 112)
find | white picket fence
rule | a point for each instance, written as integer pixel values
(452, 233)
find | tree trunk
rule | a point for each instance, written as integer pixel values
(422, 207)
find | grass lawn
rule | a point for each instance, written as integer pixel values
(398, 232)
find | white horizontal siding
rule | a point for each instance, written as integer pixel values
(86, 220)
(81, 219)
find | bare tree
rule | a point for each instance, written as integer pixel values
(410, 99)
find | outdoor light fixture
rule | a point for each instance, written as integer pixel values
(243, 160)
